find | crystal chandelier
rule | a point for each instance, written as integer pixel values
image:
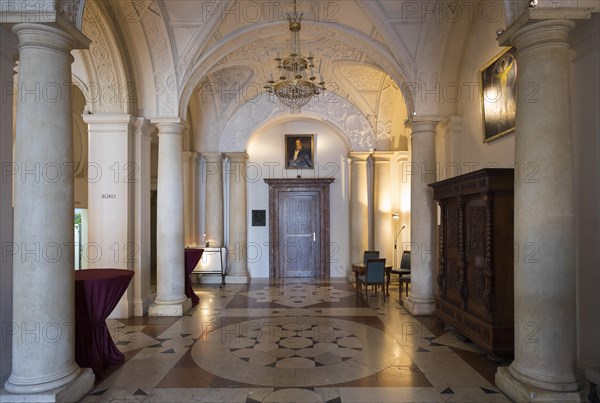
(296, 84)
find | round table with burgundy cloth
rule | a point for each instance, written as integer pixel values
(97, 293)
(192, 257)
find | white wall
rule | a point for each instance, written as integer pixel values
(464, 151)
(266, 160)
(7, 51)
(585, 89)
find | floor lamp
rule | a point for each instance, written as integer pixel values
(396, 217)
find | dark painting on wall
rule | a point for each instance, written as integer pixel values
(498, 86)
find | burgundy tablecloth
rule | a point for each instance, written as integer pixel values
(97, 292)
(192, 257)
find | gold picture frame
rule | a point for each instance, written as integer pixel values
(299, 151)
(498, 86)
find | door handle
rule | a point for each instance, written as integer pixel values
(314, 237)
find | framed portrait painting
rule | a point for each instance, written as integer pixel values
(299, 151)
(498, 84)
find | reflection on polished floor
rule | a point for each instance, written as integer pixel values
(298, 341)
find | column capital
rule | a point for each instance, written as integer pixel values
(382, 156)
(402, 156)
(52, 37)
(190, 157)
(169, 126)
(359, 156)
(143, 127)
(238, 157)
(533, 15)
(422, 123)
(542, 33)
(213, 157)
(452, 120)
(56, 34)
(107, 118)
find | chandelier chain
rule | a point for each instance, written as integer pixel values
(296, 82)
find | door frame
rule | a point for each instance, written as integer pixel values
(318, 185)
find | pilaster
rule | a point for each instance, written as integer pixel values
(111, 179)
(141, 265)
(383, 236)
(8, 52)
(359, 207)
(238, 219)
(214, 198)
(190, 201)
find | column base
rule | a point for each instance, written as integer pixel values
(236, 279)
(175, 309)
(419, 307)
(140, 308)
(123, 310)
(520, 392)
(72, 392)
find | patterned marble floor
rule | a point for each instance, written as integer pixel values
(298, 341)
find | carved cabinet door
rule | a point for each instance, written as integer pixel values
(453, 248)
(475, 245)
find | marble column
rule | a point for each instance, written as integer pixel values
(170, 296)
(141, 266)
(238, 219)
(423, 216)
(359, 207)
(544, 366)
(214, 198)
(383, 233)
(199, 200)
(43, 354)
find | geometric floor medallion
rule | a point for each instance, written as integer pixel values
(292, 351)
(298, 295)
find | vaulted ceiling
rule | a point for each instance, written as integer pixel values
(364, 50)
(221, 51)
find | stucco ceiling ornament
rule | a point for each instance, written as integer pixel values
(229, 87)
(107, 91)
(162, 60)
(336, 110)
(73, 11)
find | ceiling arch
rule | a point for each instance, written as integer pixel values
(107, 88)
(262, 42)
(334, 110)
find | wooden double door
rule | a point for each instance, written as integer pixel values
(299, 228)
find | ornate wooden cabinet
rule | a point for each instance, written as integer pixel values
(475, 275)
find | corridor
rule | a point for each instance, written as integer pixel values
(300, 341)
